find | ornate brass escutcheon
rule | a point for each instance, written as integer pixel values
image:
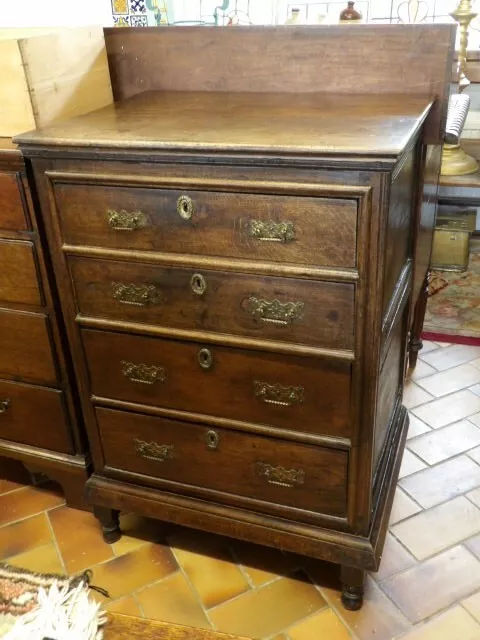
(185, 207)
(281, 475)
(205, 358)
(126, 220)
(143, 373)
(153, 451)
(212, 439)
(270, 231)
(198, 284)
(275, 311)
(139, 295)
(277, 394)
(4, 405)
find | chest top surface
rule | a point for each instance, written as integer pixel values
(313, 124)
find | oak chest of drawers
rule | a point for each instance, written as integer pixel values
(39, 417)
(238, 277)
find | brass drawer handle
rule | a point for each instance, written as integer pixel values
(269, 231)
(126, 220)
(212, 439)
(4, 405)
(275, 311)
(205, 358)
(185, 207)
(277, 394)
(153, 451)
(137, 295)
(143, 373)
(281, 475)
(198, 284)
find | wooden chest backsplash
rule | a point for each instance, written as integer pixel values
(237, 274)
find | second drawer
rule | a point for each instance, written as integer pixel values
(294, 393)
(284, 309)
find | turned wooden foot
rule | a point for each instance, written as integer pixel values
(353, 581)
(110, 521)
(418, 318)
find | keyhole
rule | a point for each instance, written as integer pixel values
(205, 358)
(198, 284)
(212, 438)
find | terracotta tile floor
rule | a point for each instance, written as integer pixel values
(428, 587)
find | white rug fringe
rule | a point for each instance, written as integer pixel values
(61, 614)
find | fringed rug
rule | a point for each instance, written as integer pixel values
(35, 606)
(453, 309)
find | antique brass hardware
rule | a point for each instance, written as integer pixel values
(153, 451)
(185, 207)
(205, 358)
(275, 311)
(212, 439)
(126, 220)
(280, 475)
(4, 404)
(198, 284)
(143, 373)
(270, 231)
(137, 295)
(277, 394)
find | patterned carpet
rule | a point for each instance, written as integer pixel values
(453, 309)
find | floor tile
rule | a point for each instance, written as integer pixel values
(474, 496)
(448, 409)
(403, 507)
(127, 606)
(472, 605)
(416, 427)
(475, 389)
(131, 571)
(28, 502)
(321, 625)
(173, 600)
(24, 535)
(440, 444)
(451, 380)
(413, 395)
(454, 624)
(443, 481)
(433, 585)
(395, 558)
(13, 475)
(436, 529)
(268, 610)
(410, 464)
(263, 564)
(43, 559)
(476, 363)
(474, 454)
(209, 566)
(136, 531)
(474, 545)
(428, 347)
(79, 539)
(451, 356)
(475, 419)
(422, 370)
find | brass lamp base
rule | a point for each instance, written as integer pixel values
(455, 162)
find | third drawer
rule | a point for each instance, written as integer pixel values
(290, 392)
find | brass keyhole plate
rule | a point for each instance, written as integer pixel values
(185, 207)
(212, 439)
(198, 284)
(205, 358)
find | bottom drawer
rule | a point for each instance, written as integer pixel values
(34, 416)
(286, 473)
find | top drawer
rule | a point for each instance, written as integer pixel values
(277, 228)
(12, 215)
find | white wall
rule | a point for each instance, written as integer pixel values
(55, 13)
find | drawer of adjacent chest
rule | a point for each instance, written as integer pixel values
(256, 467)
(301, 230)
(285, 309)
(290, 392)
(12, 215)
(25, 348)
(34, 416)
(19, 282)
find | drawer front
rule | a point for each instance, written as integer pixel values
(296, 475)
(299, 394)
(18, 273)
(34, 416)
(302, 230)
(12, 214)
(25, 348)
(286, 309)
